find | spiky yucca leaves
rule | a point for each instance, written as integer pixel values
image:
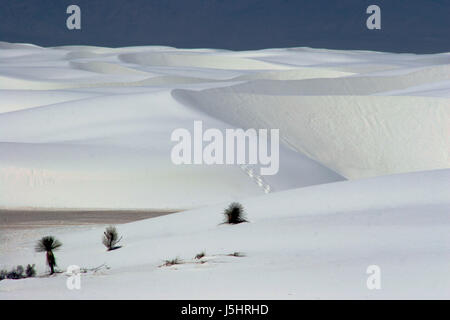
(111, 238)
(47, 245)
(234, 214)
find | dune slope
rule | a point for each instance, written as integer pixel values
(312, 242)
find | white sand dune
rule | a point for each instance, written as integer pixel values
(341, 113)
(28, 99)
(93, 104)
(217, 61)
(108, 68)
(318, 84)
(85, 127)
(297, 74)
(386, 133)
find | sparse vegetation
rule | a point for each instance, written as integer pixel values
(168, 263)
(234, 214)
(237, 254)
(48, 245)
(3, 274)
(18, 273)
(30, 271)
(111, 238)
(200, 255)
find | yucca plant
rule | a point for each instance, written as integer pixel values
(111, 238)
(234, 214)
(48, 245)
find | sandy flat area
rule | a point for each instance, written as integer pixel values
(44, 218)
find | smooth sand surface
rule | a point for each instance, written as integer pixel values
(29, 219)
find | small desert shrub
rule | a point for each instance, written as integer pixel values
(3, 274)
(168, 263)
(200, 255)
(237, 254)
(47, 245)
(16, 273)
(111, 238)
(30, 271)
(234, 214)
